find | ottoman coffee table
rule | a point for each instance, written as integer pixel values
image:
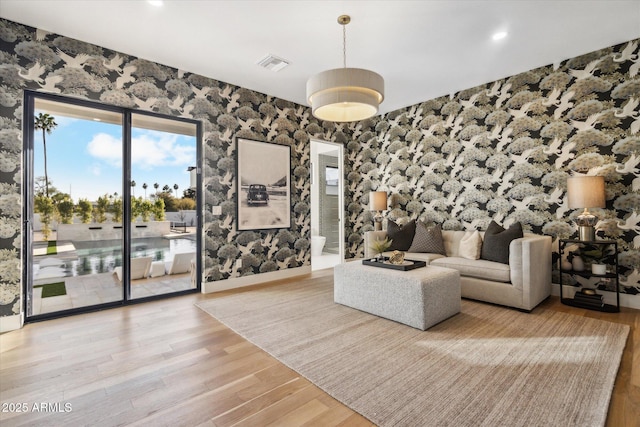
(419, 298)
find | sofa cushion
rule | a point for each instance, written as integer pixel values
(451, 240)
(482, 269)
(471, 245)
(496, 242)
(401, 235)
(427, 240)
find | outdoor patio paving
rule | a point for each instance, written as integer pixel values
(83, 291)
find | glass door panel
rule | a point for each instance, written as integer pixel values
(76, 184)
(163, 206)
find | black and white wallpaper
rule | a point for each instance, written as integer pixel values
(500, 151)
(504, 150)
(36, 60)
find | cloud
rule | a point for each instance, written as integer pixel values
(107, 148)
(149, 149)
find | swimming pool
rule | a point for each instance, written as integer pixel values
(95, 257)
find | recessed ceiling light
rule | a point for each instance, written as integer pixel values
(156, 3)
(499, 35)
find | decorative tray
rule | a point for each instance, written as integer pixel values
(407, 265)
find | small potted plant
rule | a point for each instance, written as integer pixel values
(598, 256)
(381, 246)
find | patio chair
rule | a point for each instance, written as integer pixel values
(139, 268)
(182, 263)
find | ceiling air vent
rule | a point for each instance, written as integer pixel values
(273, 63)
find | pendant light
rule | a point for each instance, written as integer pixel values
(345, 94)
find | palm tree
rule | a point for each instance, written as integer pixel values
(145, 186)
(156, 185)
(133, 188)
(166, 189)
(47, 123)
(175, 187)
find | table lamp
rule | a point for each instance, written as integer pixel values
(586, 192)
(378, 203)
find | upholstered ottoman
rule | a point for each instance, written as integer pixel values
(419, 298)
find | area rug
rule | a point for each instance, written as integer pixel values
(52, 289)
(486, 366)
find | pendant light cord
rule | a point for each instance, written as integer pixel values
(344, 45)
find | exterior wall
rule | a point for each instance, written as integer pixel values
(226, 111)
(503, 151)
(111, 231)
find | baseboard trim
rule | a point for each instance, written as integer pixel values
(239, 282)
(626, 300)
(11, 323)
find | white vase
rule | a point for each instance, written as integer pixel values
(599, 269)
(577, 263)
(565, 265)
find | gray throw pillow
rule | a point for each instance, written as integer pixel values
(428, 240)
(401, 235)
(495, 245)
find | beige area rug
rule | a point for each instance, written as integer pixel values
(487, 366)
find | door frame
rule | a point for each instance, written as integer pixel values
(341, 181)
(28, 181)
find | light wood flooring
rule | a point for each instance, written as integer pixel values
(169, 363)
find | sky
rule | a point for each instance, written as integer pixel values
(262, 163)
(84, 158)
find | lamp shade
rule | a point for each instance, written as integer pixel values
(586, 192)
(378, 201)
(345, 94)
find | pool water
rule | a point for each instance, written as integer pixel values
(103, 256)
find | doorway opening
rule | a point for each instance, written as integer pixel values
(111, 206)
(327, 205)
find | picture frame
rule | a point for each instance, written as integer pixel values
(263, 185)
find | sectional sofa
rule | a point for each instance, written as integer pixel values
(523, 283)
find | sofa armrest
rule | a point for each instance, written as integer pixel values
(369, 237)
(530, 265)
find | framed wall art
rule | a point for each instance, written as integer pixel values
(264, 185)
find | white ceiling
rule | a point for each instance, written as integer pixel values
(423, 49)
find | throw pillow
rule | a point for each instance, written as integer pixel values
(496, 242)
(471, 245)
(427, 240)
(402, 235)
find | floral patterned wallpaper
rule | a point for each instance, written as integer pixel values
(499, 151)
(37, 60)
(504, 150)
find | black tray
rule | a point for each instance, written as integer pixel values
(386, 264)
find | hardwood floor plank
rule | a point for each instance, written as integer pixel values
(282, 408)
(169, 363)
(301, 415)
(252, 406)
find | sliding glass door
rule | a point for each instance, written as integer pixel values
(111, 206)
(163, 206)
(76, 174)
